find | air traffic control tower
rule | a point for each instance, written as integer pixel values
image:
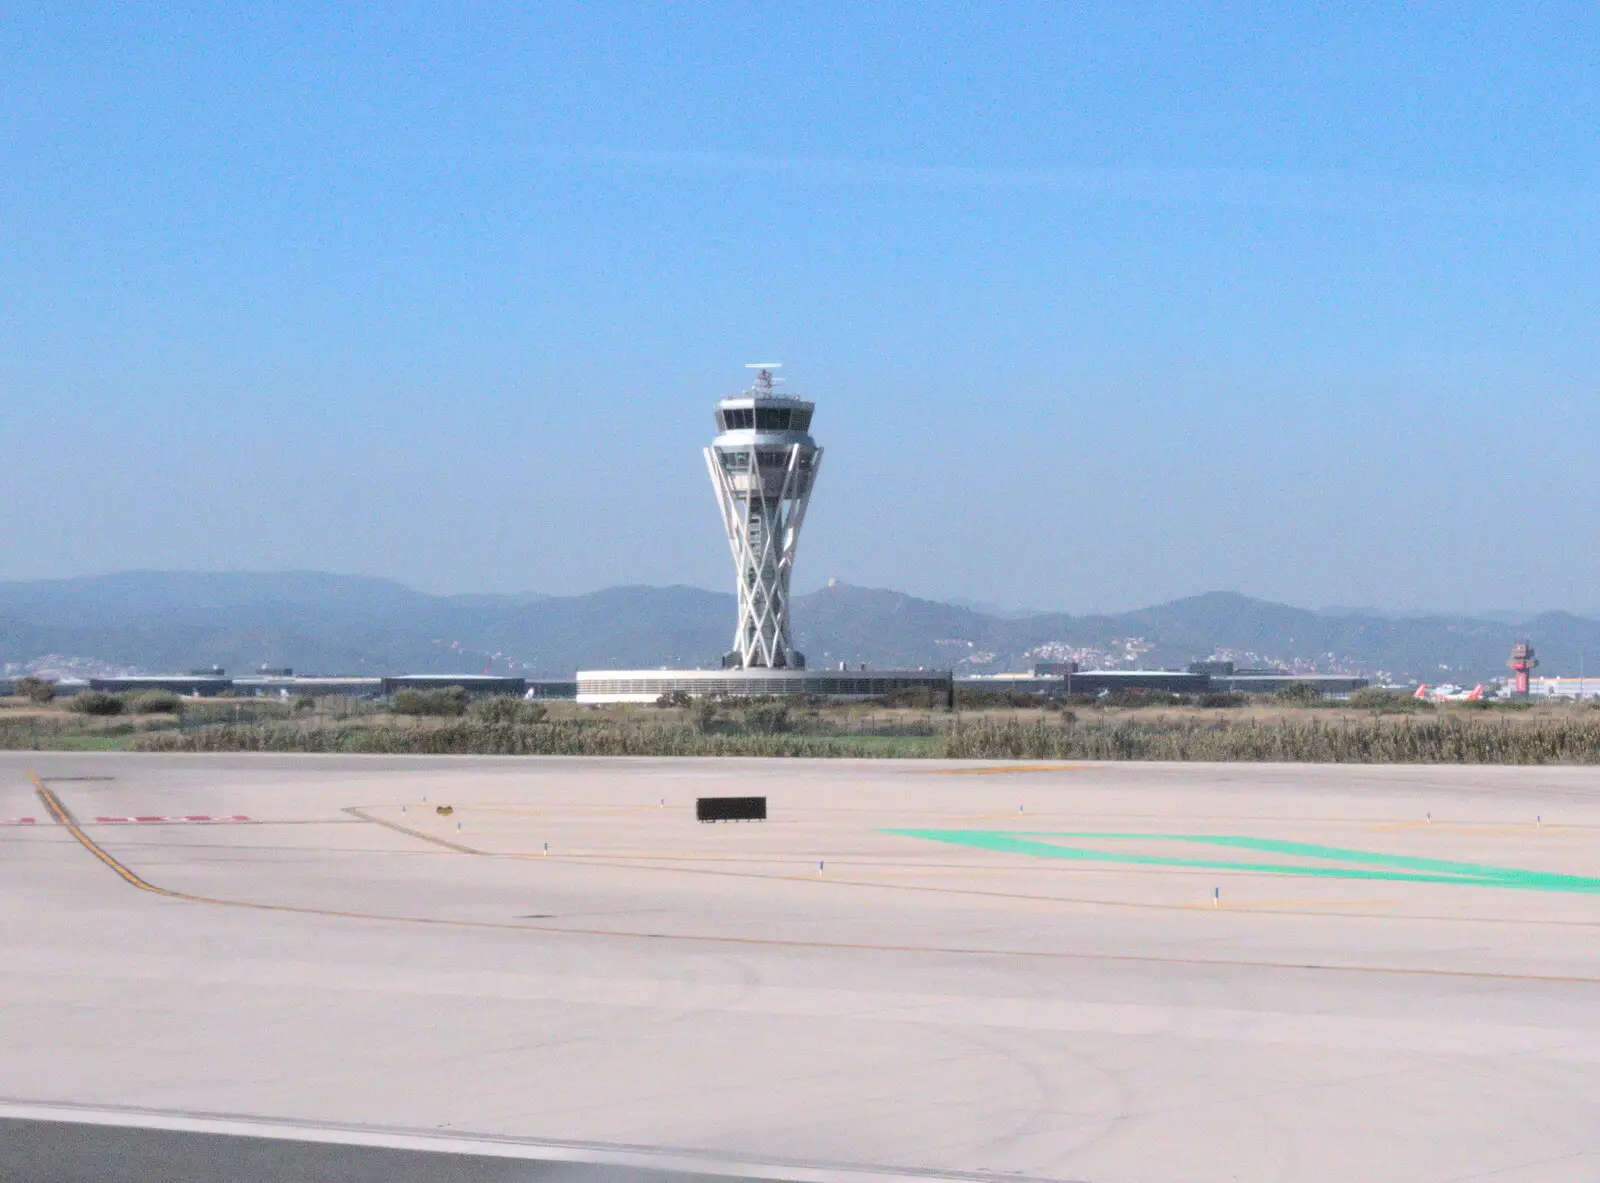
(763, 465)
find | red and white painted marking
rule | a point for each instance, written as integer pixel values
(18, 821)
(169, 820)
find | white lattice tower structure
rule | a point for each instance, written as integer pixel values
(763, 464)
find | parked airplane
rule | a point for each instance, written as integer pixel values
(1449, 693)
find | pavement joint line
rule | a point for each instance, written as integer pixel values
(1477, 827)
(64, 816)
(459, 848)
(1002, 769)
(1084, 901)
(578, 810)
(1255, 905)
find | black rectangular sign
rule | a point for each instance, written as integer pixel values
(730, 809)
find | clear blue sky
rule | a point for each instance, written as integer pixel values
(1101, 304)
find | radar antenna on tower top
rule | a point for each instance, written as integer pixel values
(764, 379)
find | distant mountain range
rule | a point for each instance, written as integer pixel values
(148, 621)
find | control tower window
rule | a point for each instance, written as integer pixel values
(772, 419)
(799, 420)
(736, 419)
(736, 461)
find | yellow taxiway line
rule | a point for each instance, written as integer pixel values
(65, 818)
(1253, 905)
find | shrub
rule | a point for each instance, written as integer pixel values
(977, 699)
(1139, 697)
(763, 719)
(96, 702)
(305, 702)
(1391, 702)
(1223, 698)
(33, 689)
(934, 695)
(756, 715)
(154, 702)
(202, 711)
(445, 700)
(504, 709)
(1298, 694)
(674, 698)
(705, 713)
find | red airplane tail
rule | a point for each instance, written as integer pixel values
(1422, 691)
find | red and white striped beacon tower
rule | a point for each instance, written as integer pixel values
(1522, 662)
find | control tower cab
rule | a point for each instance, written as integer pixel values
(763, 465)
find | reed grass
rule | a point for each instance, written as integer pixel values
(565, 738)
(1466, 739)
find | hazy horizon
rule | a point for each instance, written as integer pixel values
(1100, 309)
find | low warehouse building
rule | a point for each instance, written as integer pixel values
(1075, 681)
(1202, 677)
(291, 686)
(476, 685)
(1268, 681)
(1557, 686)
(194, 685)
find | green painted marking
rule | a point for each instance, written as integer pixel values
(1378, 866)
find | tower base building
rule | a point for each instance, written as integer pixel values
(602, 686)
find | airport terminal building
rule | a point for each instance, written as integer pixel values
(1201, 677)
